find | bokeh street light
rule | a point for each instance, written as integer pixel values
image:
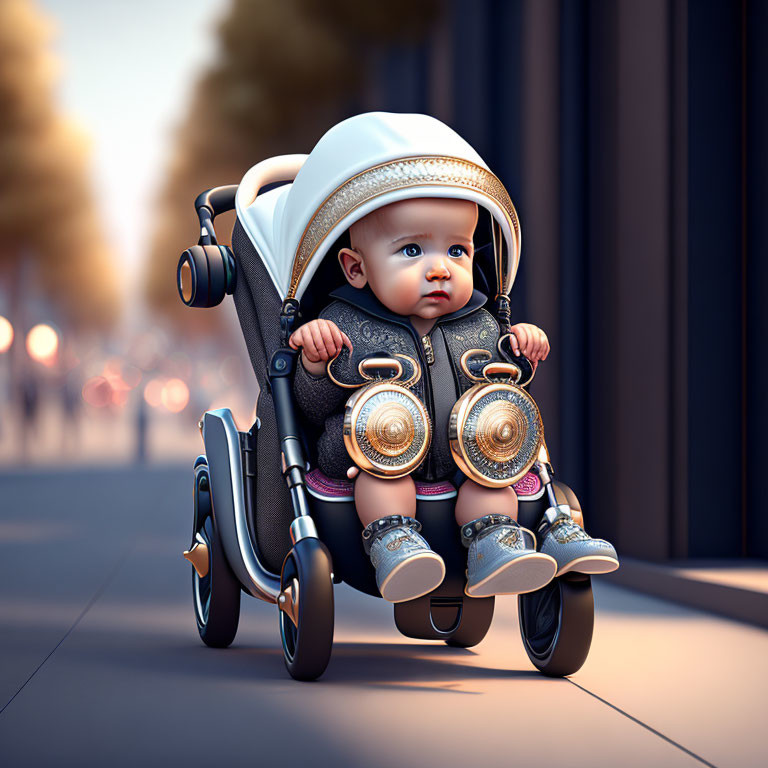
(175, 395)
(153, 392)
(43, 344)
(6, 334)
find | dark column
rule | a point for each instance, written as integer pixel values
(575, 351)
(472, 110)
(678, 362)
(403, 78)
(715, 274)
(756, 158)
(600, 296)
(505, 122)
(504, 118)
(629, 287)
(642, 459)
(539, 207)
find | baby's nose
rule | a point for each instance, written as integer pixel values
(438, 270)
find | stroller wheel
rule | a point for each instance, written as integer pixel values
(476, 618)
(216, 595)
(556, 623)
(306, 609)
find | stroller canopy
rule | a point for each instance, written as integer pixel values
(361, 164)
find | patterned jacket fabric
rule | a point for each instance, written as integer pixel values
(374, 330)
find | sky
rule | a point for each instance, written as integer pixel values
(127, 70)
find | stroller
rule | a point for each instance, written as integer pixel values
(268, 523)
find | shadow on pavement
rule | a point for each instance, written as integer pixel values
(402, 664)
(362, 663)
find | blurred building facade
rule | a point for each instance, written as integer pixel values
(632, 137)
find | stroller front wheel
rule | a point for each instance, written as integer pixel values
(556, 623)
(306, 611)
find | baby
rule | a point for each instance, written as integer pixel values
(410, 290)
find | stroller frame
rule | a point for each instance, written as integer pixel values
(325, 547)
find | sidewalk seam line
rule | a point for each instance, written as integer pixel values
(99, 592)
(642, 724)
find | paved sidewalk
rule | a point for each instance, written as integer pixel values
(101, 663)
(735, 589)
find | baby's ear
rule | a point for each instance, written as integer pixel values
(353, 266)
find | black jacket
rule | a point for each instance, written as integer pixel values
(373, 329)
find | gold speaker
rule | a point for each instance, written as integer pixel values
(495, 428)
(387, 431)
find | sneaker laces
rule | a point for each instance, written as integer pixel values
(565, 530)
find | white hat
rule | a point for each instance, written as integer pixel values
(359, 165)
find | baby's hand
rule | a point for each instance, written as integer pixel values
(531, 341)
(319, 341)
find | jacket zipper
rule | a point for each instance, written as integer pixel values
(429, 350)
(424, 362)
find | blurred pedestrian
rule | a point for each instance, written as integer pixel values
(142, 419)
(70, 393)
(30, 403)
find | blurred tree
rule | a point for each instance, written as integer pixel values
(48, 222)
(286, 72)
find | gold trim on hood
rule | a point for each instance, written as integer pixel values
(393, 175)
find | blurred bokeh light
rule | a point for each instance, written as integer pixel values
(6, 334)
(153, 392)
(43, 344)
(174, 395)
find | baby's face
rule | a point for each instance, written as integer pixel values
(416, 255)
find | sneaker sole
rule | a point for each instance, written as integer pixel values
(414, 577)
(591, 564)
(523, 574)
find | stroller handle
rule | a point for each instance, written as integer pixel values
(217, 200)
(209, 205)
(270, 171)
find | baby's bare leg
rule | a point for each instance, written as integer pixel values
(475, 500)
(376, 498)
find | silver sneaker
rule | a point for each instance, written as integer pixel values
(503, 559)
(572, 548)
(406, 568)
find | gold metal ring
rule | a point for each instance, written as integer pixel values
(467, 356)
(380, 362)
(511, 369)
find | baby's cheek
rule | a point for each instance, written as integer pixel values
(465, 284)
(400, 291)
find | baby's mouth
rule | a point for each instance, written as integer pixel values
(438, 295)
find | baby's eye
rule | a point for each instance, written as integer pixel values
(411, 250)
(457, 250)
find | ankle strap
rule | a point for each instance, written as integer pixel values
(471, 530)
(378, 528)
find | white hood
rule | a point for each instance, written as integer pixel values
(361, 164)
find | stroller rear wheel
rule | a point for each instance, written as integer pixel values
(216, 595)
(306, 609)
(556, 623)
